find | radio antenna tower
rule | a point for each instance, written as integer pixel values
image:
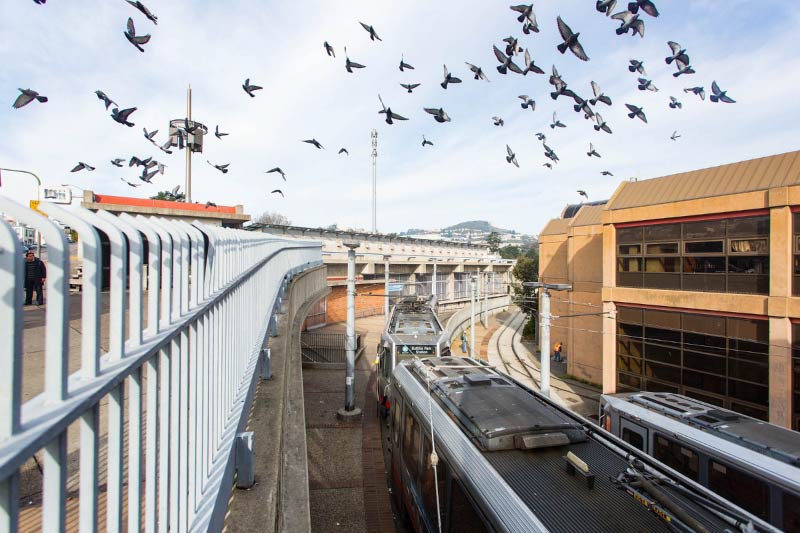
(374, 180)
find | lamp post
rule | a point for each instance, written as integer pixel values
(38, 199)
(472, 283)
(350, 410)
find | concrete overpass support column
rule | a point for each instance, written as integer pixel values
(609, 348)
(780, 371)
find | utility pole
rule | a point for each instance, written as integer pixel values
(472, 283)
(350, 410)
(544, 347)
(374, 181)
(433, 282)
(188, 150)
(386, 289)
(486, 299)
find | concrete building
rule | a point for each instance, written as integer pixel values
(700, 286)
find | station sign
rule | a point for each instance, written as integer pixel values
(395, 287)
(56, 195)
(416, 349)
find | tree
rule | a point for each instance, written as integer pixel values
(272, 217)
(527, 269)
(167, 195)
(494, 240)
(510, 251)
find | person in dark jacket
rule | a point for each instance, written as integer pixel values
(35, 274)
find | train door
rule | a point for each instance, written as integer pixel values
(634, 434)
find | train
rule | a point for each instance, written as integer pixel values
(472, 449)
(413, 330)
(752, 463)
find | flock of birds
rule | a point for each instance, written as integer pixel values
(513, 57)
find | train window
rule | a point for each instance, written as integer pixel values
(742, 489)
(463, 516)
(428, 482)
(791, 512)
(672, 454)
(411, 450)
(633, 438)
(396, 409)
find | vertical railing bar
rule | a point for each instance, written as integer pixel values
(90, 445)
(54, 486)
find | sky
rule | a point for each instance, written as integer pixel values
(67, 49)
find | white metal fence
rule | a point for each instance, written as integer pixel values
(173, 385)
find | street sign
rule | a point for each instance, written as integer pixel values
(57, 195)
(34, 204)
(417, 349)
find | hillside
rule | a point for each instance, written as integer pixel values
(476, 225)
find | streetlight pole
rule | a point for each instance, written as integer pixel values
(350, 410)
(486, 299)
(544, 347)
(472, 316)
(38, 199)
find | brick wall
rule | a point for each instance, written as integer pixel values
(365, 305)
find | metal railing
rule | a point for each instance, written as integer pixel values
(173, 392)
(326, 348)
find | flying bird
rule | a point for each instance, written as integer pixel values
(149, 135)
(439, 114)
(599, 96)
(278, 191)
(512, 46)
(161, 167)
(426, 141)
(478, 71)
(210, 204)
(344, 151)
(606, 173)
(26, 97)
(629, 21)
(218, 134)
(718, 95)
(678, 52)
(249, 89)
(511, 157)
(601, 124)
(40, 2)
(674, 135)
(390, 115)
(117, 162)
(637, 66)
(527, 102)
(221, 168)
(699, 91)
(647, 6)
(530, 66)
(647, 85)
(529, 27)
(526, 14)
(636, 112)
(683, 68)
(147, 177)
(541, 136)
(550, 154)
(122, 116)
(606, 6)
(592, 151)
(498, 121)
(104, 97)
(371, 31)
(166, 147)
(278, 170)
(130, 183)
(582, 193)
(350, 65)
(136, 40)
(506, 62)
(409, 86)
(329, 49)
(139, 162)
(448, 78)
(146, 12)
(557, 123)
(548, 165)
(82, 166)
(583, 105)
(404, 65)
(315, 143)
(570, 41)
(674, 103)
(561, 86)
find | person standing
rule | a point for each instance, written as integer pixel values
(463, 342)
(557, 352)
(35, 275)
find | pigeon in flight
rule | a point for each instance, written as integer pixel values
(583, 105)
(161, 167)
(582, 193)
(527, 102)
(278, 191)
(82, 166)
(606, 6)
(498, 121)
(146, 12)
(599, 96)
(637, 66)
(448, 78)
(683, 68)
(478, 71)
(560, 85)
(221, 168)
(570, 41)
(592, 151)
(390, 115)
(541, 136)
(315, 143)
(371, 31)
(210, 204)
(350, 65)
(606, 173)
(677, 53)
(26, 97)
(166, 147)
(526, 14)
(344, 151)
(122, 116)
(550, 154)
(131, 183)
(530, 66)
(506, 62)
(249, 89)
(512, 46)
(528, 27)
(511, 157)
(674, 103)
(190, 126)
(149, 135)
(647, 6)
(136, 40)
(629, 21)
(557, 123)
(426, 141)
(674, 135)
(636, 112)
(439, 114)
(104, 97)
(174, 192)
(329, 49)
(601, 124)
(139, 162)
(117, 162)
(548, 165)
(409, 86)
(40, 2)
(718, 95)
(404, 65)
(147, 177)
(278, 170)
(699, 91)
(218, 134)
(647, 85)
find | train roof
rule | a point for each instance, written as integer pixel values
(762, 437)
(414, 320)
(519, 444)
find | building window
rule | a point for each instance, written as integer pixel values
(719, 360)
(796, 377)
(730, 255)
(796, 253)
